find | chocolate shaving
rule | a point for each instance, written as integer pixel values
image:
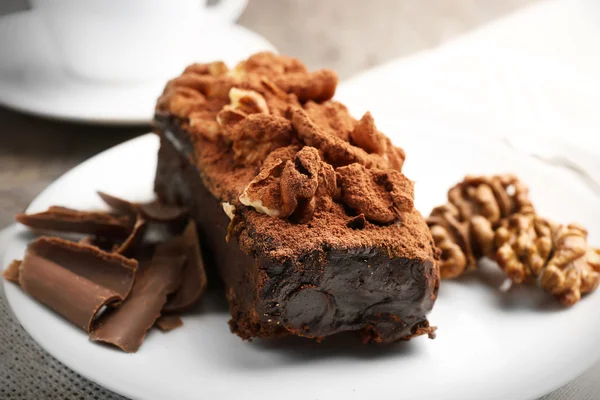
(125, 327)
(134, 239)
(167, 323)
(75, 280)
(154, 211)
(102, 242)
(118, 204)
(194, 274)
(159, 212)
(64, 219)
(11, 273)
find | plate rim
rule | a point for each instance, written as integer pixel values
(128, 391)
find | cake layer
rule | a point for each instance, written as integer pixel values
(310, 279)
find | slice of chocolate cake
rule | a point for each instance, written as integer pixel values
(302, 209)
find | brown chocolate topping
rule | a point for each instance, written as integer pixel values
(11, 273)
(68, 220)
(75, 280)
(126, 326)
(194, 276)
(167, 323)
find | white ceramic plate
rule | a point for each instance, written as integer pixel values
(517, 345)
(33, 80)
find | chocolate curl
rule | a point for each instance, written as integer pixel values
(64, 219)
(194, 275)
(125, 327)
(11, 273)
(153, 211)
(75, 280)
(118, 204)
(167, 323)
(134, 239)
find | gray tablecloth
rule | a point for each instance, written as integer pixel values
(28, 372)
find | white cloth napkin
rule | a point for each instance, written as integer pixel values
(534, 72)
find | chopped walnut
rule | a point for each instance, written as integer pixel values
(493, 197)
(451, 236)
(300, 179)
(247, 101)
(228, 117)
(531, 249)
(482, 237)
(453, 260)
(204, 123)
(290, 75)
(279, 102)
(480, 204)
(215, 68)
(229, 210)
(523, 244)
(181, 101)
(256, 136)
(318, 85)
(366, 136)
(331, 116)
(334, 150)
(287, 187)
(269, 64)
(209, 85)
(573, 269)
(381, 195)
(519, 195)
(328, 182)
(395, 156)
(241, 104)
(263, 193)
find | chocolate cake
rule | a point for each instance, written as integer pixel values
(302, 210)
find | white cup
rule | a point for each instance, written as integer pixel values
(131, 40)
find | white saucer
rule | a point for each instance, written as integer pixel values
(490, 345)
(32, 79)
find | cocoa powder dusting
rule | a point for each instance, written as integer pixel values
(299, 169)
(381, 195)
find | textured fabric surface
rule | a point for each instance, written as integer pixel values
(28, 372)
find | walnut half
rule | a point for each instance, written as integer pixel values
(573, 269)
(288, 184)
(523, 245)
